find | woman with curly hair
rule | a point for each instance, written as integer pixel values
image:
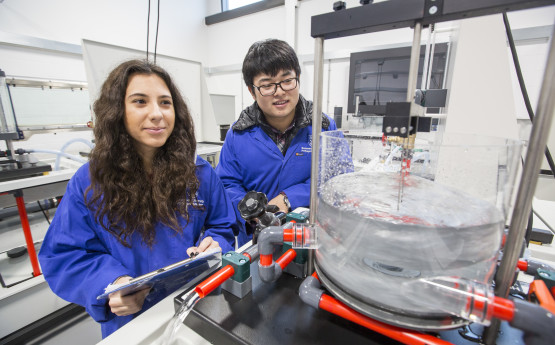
(143, 201)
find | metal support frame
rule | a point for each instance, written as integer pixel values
(527, 187)
(396, 14)
(316, 130)
(414, 59)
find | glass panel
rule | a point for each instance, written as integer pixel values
(35, 106)
(233, 4)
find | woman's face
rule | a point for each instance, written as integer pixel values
(149, 113)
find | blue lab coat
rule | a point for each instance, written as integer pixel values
(251, 160)
(79, 258)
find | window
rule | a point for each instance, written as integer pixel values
(233, 4)
(232, 9)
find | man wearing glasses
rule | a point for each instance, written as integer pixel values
(268, 149)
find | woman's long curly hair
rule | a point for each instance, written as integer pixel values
(126, 200)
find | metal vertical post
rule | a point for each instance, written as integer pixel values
(414, 59)
(526, 189)
(427, 60)
(316, 130)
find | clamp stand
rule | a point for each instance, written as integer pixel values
(240, 284)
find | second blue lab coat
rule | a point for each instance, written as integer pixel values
(251, 160)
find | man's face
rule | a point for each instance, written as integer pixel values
(281, 104)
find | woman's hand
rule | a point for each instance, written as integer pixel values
(206, 244)
(126, 305)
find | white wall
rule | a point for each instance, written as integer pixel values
(219, 47)
(27, 27)
(124, 22)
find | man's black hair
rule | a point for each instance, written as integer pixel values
(269, 57)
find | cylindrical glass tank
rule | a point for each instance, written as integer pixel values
(390, 213)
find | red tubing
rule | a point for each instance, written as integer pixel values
(287, 235)
(28, 236)
(247, 256)
(522, 265)
(328, 303)
(215, 280)
(266, 260)
(302, 236)
(286, 258)
(503, 308)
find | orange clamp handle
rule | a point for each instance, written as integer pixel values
(542, 294)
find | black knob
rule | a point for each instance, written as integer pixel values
(253, 205)
(366, 2)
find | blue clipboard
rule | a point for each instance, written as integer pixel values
(169, 278)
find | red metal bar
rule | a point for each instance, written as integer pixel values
(286, 258)
(503, 309)
(215, 280)
(330, 304)
(28, 236)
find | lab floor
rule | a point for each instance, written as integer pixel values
(79, 329)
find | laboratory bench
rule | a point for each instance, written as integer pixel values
(270, 308)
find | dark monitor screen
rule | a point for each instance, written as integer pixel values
(381, 76)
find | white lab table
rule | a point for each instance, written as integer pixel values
(147, 328)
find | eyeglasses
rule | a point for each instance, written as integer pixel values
(271, 88)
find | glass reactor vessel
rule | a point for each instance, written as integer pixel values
(393, 214)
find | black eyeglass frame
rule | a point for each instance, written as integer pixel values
(276, 86)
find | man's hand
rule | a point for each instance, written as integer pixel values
(280, 202)
(126, 305)
(206, 244)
